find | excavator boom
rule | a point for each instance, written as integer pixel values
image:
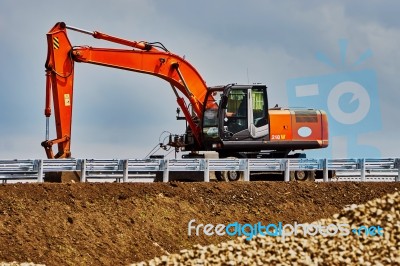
(145, 58)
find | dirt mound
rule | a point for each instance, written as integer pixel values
(117, 224)
(324, 242)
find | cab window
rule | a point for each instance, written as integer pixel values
(236, 112)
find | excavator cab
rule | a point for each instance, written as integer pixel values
(233, 114)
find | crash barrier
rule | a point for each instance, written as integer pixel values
(134, 170)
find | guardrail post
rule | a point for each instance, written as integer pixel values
(83, 170)
(126, 172)
(325, 170)
(40, 171)
(362, 169)
(397, 164)
(287, 170)
(246, 172)
(206, 171)
(166, 171)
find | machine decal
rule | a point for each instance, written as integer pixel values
(67, 100)
(304, 132)
(56, 43)
(278, 137)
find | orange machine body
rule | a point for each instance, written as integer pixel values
(259, 128)
(287, 125)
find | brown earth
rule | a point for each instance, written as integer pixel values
(117, 224)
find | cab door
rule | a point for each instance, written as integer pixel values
(258, 113)
(236, 113)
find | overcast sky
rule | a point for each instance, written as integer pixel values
(120, 114)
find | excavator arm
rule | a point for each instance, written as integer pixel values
(143, 57)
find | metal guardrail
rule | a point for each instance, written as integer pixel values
(130, 170)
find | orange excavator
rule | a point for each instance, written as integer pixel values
(233, 120)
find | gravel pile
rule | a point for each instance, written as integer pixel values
(380, 247)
